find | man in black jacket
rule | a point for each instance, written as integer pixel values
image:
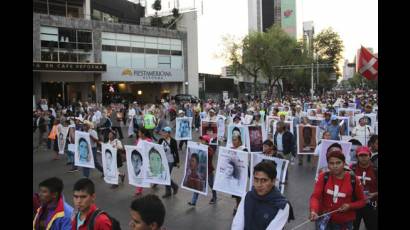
(171, 152)
(283, 140)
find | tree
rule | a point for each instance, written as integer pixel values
(280, 50)
(358, 81)
(328, 47)
(156, 21)
(157, 5)
(259, 54)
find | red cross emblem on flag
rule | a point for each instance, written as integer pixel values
(368, 64)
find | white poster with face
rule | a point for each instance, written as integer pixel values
(248, 119)
(109, 163)
(231, 174)
(270, 123)
(196, 168)
(137, 164)
(83, 155)
(158, 169)
(62, 136)
(307, 139)
(220, 122)
(322, 165)
(281, 169)
(237, 130)
(183, 129)
(344, 125)
(346, 112)
(370, 119)
(352, 105)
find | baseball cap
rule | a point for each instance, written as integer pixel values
(211, 110)
(180, 111)
(167, 129)
(363, 150)
(205, 138)
(333, 118)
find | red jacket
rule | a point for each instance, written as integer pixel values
(102, 222)
(370, 182)
(322, 201)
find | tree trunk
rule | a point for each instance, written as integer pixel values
(254, 85)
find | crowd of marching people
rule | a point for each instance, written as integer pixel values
(344, 193)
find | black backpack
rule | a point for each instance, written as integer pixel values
(352, 181)
(115, 223)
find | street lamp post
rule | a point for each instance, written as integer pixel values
(312, 91)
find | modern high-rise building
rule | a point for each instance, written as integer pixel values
(262, 14)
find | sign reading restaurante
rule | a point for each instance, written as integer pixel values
(70, 67)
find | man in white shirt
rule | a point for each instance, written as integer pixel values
(264, 207)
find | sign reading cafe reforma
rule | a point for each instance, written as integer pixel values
(135, 74)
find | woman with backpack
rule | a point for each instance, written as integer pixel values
(337, 191)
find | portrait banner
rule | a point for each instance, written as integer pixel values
(346, 112)
(83, 155)
(158, 169)
(307, 139)
(62, 136)
(322, 164)
(344, 125)
(237, 130)
(183, 130)
(210, 128)
(137, 164)
(255, 139)
(109, 163)
(281, 169)
(231, 174)
(270, 123)
(196, 168)
(370, 119)
(220, 120)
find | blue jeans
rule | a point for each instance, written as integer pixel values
(86, 171)
(211, 184)
(70, 157)
(173, 184)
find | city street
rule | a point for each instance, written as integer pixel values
(179, 215)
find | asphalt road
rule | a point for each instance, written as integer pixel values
(179, 215)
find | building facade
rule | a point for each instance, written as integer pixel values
(101, 59)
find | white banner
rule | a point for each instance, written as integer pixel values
(183, 130)
(237, 130)
(158, 169)
(231, 175)
(62, 136)
(137, 164)
(83, 155)
(109, 163)
(322, 164)
(281, 169)
(196, 168)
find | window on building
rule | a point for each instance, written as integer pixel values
(109, 58)
(138, 60)
(176, 62)
(151, 60)
(65, 8)
(141, 51)
(65, 44)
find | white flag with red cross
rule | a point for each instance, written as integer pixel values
(368, 64)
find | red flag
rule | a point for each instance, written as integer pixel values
(367, 64)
